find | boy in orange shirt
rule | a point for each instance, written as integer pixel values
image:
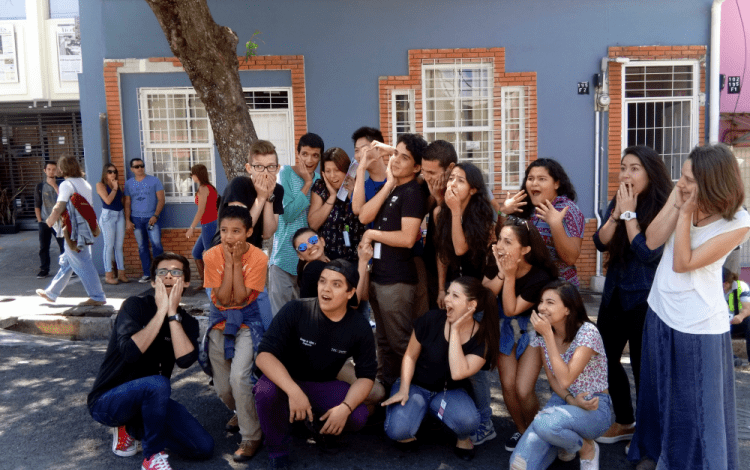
(235, 271)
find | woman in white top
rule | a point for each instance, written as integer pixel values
(72, 260)
(686, 405)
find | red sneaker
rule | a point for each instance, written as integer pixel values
(157, 462)
(123, 444)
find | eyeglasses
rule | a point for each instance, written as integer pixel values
(174, 272)
(112, 172)
(303, 246)
(260, 168)
(138, 166)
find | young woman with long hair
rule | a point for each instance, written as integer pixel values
(548, 201)
(580, 408)
(520, 267)
(331, 216)
(206, 215)
(463, 223)
(631, 265)
(112, 221)
(686, 415)
(446, 348)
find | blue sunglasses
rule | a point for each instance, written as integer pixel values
(303, 246)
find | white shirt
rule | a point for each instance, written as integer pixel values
(75, 185)
(693, 302)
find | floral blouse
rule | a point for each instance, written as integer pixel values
(593, 379)
(340, 220)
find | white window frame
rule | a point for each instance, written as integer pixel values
(489, 128)
(411, 123)
(289, 111)
(694, 99)
(147, 145)
(522, 123)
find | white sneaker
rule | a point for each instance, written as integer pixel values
(157, 462)
(144, 279)
(592, 464)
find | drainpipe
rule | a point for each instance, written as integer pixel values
(715, 93)
(601, 105)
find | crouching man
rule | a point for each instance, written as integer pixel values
(132, 390)
(305, 347)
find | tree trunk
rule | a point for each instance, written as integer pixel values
(208, 53)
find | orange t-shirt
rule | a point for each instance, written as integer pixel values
(254, 266)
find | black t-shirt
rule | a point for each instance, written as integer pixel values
(241, 189)
(396, 265)
(124, 362)
(308, 276)
(313, 348)
(432, 370)
(529, 286)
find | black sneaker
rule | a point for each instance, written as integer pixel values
(42, 274)
(73, 275)
(510, 444)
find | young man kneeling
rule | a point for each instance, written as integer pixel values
(301, 353)
(236, 273)
(132, 390)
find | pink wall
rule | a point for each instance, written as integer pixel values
(735, 53)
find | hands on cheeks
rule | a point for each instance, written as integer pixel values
(549, 214)
(690, 203)
(509, 265)
(541, 325)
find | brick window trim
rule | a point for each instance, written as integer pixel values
(651, 53)
(413, 81)
(113, 68)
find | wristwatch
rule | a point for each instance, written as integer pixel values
(176, 317)
(627, 215)
(271, 198)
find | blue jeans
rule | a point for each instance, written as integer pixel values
(113, 230)
(81, 263)
(204, 241)
(143, 235)
(560, 425)
(480, 383)
(144, 407)
(460, 414)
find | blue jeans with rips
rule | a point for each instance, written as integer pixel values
(144, 407)
(81, 263)
(143, 235)
(560, 425)
(460, 414)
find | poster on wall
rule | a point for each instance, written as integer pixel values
(8, 58)
(68, 53)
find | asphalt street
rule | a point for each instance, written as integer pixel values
(44, 422)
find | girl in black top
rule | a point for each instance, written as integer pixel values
(464, 226)
(445, 349)
(522, 267)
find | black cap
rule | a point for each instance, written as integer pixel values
(350, 273)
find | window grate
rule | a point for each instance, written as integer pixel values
(515, 134)
(660, 110)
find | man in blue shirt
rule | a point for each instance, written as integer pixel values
(144, 201)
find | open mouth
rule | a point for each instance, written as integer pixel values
(325, 297)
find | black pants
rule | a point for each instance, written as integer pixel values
(618, 327)
(45, 234)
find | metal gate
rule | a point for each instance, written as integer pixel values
(28, 138)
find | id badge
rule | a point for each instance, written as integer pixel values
(347, 242)
(376, 250)
(441, 411)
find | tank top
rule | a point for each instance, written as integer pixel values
(116, 202)
(210, 214)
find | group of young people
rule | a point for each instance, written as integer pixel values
(489, 285)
